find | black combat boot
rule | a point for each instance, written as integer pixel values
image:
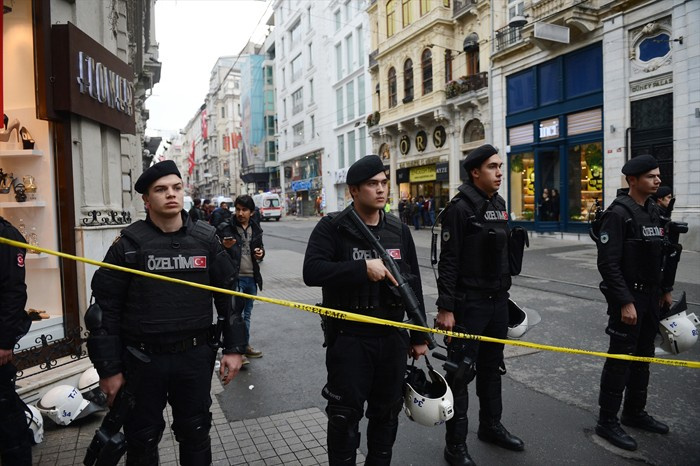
(494, 432)
(609, 428)
(456, 453)
(633, 414)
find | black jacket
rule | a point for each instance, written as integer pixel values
(228, 228)
(323, 266)
(14, 321)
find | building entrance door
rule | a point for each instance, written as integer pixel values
(547, 188)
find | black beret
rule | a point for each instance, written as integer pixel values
(663, 191)
(639, 164)
(478, 155)
(159, 170)
(364, 169)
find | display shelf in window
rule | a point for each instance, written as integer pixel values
(15, 204)
(21, 153)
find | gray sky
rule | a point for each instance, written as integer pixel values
(191, 35)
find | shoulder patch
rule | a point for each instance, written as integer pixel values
(445, 235)
(604, 237)
(20, 260)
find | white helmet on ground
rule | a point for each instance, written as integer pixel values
(89, 386)
(517, 320)
(679, 331)
(64, 404)
(36, 424)
(429, 403)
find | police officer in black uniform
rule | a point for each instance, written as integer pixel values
(365, 362)
(170, 323)
(631, 262)
(473, 283)
(15, 435)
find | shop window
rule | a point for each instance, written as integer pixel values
(427, 66)
(522, 186)
(521, 91)
(583, 71)
(473, 131)
(585, 178)
(392, 87)
(549, 82)
(408, 81)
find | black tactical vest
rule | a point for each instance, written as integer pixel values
(484, 259)
(374, 299)
(156, 309)
(642, 259)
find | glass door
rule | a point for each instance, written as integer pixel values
(547, 188)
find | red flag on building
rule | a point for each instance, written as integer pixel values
(205, 132)
(227, 143)
(234, 141)
(190, 159)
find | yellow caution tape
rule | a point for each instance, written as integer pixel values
(359, 317)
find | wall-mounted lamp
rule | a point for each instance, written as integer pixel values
(518, 21)
(430, 46)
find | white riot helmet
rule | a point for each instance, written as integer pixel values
(89, 386)
(679, 331)
(427, 402)
(517, 320)
(64, 404)
(36, 424)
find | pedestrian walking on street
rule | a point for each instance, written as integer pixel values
(243, 239)
(635, 284)
(474, 277)
(170, 323)
(196, 212)
(366, 363)
(15, 435)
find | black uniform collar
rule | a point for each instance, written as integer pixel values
(186, 221)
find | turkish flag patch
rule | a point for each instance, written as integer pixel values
(199, 262)
(394, 253)
(20, 260)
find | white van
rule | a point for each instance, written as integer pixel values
(188, 203)
(269, 205)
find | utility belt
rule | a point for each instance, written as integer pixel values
(204, 337)
(647, 288)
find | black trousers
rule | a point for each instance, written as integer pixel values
(363, 369)
(184, 381)
(625, 376)
(479, 314)
(15, 436)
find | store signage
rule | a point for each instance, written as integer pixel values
(651, 83)
(404, 144)
(403, 175)
(421, 141)
(90, 81)
(549, 129)
(439, 136)
(442, 171)
(341, 175)
(425, 173)
(302, 185)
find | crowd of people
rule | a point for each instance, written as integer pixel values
(417, 211)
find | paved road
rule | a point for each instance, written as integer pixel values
(550, 398)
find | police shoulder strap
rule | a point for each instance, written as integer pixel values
(139, 233)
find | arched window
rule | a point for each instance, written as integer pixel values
(392, 87)
(390, 18)
(473, 131)
(427, 67)
(408, 80)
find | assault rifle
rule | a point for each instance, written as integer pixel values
(408, 296)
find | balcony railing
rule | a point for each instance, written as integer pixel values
(467, 84)
(459, 7)
(507, 36)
